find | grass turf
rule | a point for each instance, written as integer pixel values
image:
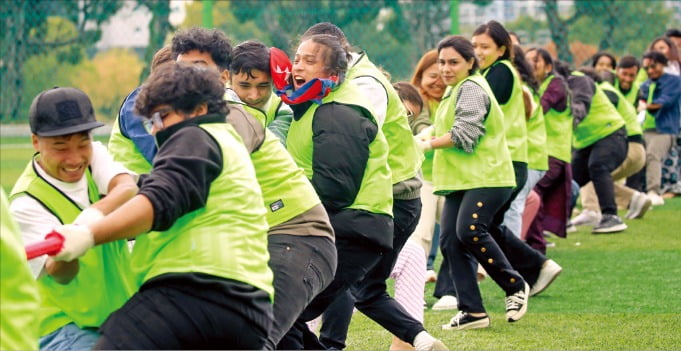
(616, 292)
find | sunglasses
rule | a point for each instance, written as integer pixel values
(156, 120)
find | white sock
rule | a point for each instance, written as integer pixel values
(423, 341)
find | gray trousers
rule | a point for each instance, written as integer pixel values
(657, 147)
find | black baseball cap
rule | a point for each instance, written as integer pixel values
(61, 111)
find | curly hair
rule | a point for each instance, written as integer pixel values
(212, 41)
(183, 87)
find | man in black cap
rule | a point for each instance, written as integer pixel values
(62, 184)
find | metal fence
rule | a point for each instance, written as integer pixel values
(104, 46)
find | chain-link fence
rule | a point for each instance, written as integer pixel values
(104, 46)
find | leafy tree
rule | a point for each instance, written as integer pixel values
(627, 27)
(107, 79)
(159, 29)
(27, 32)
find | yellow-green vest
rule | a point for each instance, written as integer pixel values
(125, 152)
(264, 116)
(649, 121)
(558, 128)
(427, 166)
(285, 189)
(489, 165)
(404, 157)
(514, 116)
(601, 121)
(227, 237)
(625, 109)
(537, 156)
(19, 299)
(632, 94)
(104, 281)
(375, 193)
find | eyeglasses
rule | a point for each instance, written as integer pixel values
(156, 120)
(652, 65)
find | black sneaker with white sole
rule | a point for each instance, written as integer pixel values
(609, 224)
(516, 304)
(463, 321)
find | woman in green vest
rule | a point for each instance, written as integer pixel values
(493, 50)
(336, 140)
(473, 170)
(426, 78)
(206, 282)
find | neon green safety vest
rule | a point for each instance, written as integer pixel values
(514, 116)
(558, 128)
(537, 156)
(125, 152)
(405, 157)
(285, 189)
(632, 94)
(601, 121)
(264, 116)
(489, 165)
(104, 281)
(625, 109)
(375, 193)
(227, 237)
(19, 297)
(427, 166)
(649, 121)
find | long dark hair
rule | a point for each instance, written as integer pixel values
(463, 46)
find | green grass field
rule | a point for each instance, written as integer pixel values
(616, 292)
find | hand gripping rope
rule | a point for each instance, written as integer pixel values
(50, 246)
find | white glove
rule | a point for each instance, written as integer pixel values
(425, 145)
(77, 240)
(88, 216)
(425, 134)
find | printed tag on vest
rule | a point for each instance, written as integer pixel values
(277, 205)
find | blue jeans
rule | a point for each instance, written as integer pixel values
(69, 337)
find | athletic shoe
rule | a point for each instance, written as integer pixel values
(463, 321)
(640, 203)
(609, 224)
(587, 217)
(548, 273)
(655, 198)
(570, 228)
(516, 304)
(431, 276)
(426, 342)
(447, 302)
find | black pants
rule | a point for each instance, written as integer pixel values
(596, 162)
(355, 259)
(524, 259)
(165, 317)
(466, 221)
(303, 266)
(370, 295)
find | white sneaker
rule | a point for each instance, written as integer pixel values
(447, 302)
(431, 276)
(548, 273)
(655, 198)
(516, 304)
(587, 217)
(640, 203)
